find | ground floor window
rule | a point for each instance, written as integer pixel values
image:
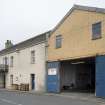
(11, 79)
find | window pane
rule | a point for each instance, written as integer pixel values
(11, 61)
(58, 41)
(32, 56)
(11, 79)
(96, 30)
(6, 61)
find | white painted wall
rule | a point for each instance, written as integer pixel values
(22, 67)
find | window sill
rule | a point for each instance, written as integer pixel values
(33, 63)
(57, 47)
(96, 38)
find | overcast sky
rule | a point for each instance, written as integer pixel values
(23, 19)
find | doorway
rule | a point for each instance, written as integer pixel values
(32, 81)
(78, 75)
(2, 80)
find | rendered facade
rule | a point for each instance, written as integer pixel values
(25, 64)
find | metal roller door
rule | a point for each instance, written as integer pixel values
(100, 76)
(53, 81)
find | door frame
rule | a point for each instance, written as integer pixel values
(32, 78)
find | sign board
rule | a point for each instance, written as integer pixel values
(52, 71)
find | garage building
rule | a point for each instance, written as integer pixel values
(76, 52)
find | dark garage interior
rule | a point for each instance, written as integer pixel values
(77, 75)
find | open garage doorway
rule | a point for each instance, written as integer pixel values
(78, 75)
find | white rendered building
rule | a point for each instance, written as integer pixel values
(25, 63)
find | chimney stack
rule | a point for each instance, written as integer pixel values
(8, 44)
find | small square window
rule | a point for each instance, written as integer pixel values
(96, 30)
(58, 41)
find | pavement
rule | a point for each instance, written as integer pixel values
(10, 97)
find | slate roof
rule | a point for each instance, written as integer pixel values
(27, 43)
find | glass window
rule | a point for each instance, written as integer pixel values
(58, 41)
(96, 30)
(11, 61)
(32, 56)
(5, 61)
(11, 79)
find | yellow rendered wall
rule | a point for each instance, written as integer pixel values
(77, 41)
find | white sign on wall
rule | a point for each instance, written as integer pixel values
(52, 71)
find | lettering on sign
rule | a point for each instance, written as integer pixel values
(52, 71)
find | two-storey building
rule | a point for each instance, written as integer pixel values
(25, 63)
(76, 52)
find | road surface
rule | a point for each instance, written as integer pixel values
(18, 98)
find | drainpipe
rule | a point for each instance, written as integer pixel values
(46, 57)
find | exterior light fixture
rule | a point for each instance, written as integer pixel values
(77, 62)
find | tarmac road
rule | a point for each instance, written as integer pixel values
(18, 98)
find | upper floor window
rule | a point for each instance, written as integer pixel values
(96, 30)
(32, 56)
(5, 61)
(58, 41)
(11, 61)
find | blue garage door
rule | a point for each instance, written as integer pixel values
(53, 80)
(100, 76)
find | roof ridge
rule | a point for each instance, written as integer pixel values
(83, 6)
(26, 43)
(79, 7)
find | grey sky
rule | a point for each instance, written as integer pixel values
(23, 19)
